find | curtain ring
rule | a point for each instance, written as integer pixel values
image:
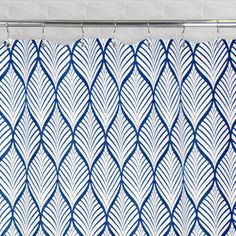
(183, 35)
(148, 26)
(149, 34)
(217, 32)
(82, 28)
(113, 38)
(114, 29)
(8, 44)
(43, 34)
(82, 31)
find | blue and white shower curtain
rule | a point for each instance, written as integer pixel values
(103, 139)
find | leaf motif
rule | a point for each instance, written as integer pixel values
(182, 136)
(57, 136)
(56, 215)
(151, 59)
(213, 135)
(167, 96)
(121, 138)
(72, 97)
(6, 135)
(24, 57)
(153, 137)
(27, 136)
(13, 176)
(196, 97)
(89, 137)
(180, 58)
(119, 60)
(73, 176)
(12, 96)
(42, 177)
(214, 213)
(225, 95)
(55, 60)
(87, 60)
(89, 217)
(138, 177)
(26, 214)
(105, 179)
(155, 216)
(226, 176)
(184, 215)
(41, 96)
(123, 217)
(104, 97)
(169, 178)
(5, 214)
(211, 60)
(198, 175)
(136, 98)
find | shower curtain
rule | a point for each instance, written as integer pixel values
(99, 138)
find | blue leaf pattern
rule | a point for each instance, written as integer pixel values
(27, 214)
(138, 177)
(41, 96)
(55, 60)
(184, 215)
(136, 98)
(12, 96)
(89, 217)
(214, 213)
(123, 216)
(155, 215)
(118, 140)
(56, 215)
(106, 179)
(12, 170)
(42, 177)
(72, 97)
(27, 137)
(24, 58)
(73, 176)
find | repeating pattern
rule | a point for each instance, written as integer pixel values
(104, 139)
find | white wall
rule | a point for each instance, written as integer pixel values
(117, 9)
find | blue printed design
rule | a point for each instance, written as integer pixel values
(97, 139)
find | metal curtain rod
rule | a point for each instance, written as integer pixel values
(119, 23)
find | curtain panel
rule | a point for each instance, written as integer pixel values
(103, 138)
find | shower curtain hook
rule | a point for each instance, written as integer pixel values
(183, 35)
(43, 34)
(82, 31)
(113, 38)
(217, 31)
(149, 33)
(8, 44)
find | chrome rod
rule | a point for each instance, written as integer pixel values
(120, 23)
